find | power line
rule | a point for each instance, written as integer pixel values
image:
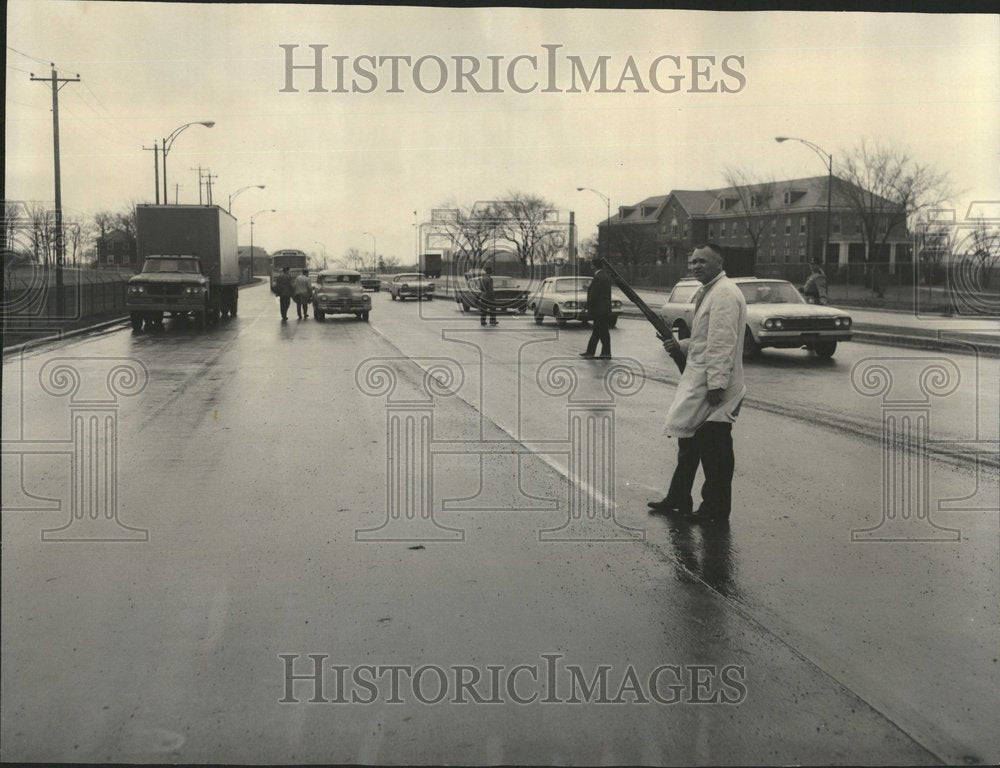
(27, 55)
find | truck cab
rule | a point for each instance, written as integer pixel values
(168, 283)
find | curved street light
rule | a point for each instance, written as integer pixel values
(168, 142)
(262, 210)
(236, 194)
(607, 200)
(829, 183)
(323, 246)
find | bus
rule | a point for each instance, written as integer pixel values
(293, 259)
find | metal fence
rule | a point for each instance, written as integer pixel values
(31, 297)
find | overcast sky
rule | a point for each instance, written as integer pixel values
(337, 165)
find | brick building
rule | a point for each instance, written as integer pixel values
(761, 227)
(116, 249)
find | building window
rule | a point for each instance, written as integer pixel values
(802, 225)
(802, 253)
(788, 226)
(787, 197)
(835, 225)
(685, 231)
(722, 229)
(711, 231)
(774, 225)
(753, 201)
(673, 227)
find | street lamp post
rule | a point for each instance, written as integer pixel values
(607, 200)
(168, 142)
(262, 210)
(323, 246)
(374, 251)
(236, 194)
(829, 183)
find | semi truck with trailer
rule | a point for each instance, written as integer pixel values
(430, 264)
(188, 262)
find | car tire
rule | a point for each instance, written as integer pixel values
(136, 320)
(751, 349)
(560, 320)
(522, 310)
(539, 318)
(680, 329)
(319, 314)
(825, 349)
(364, 315)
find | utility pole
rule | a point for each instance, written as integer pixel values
(176, 188)
(208, 184)
(199, 169)
(156, 168)
(56, 83)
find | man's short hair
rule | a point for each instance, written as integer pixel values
(489, 270)
(711, 246)
(284, 269)
(305, 271)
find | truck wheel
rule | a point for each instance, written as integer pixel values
(235, 305)
(825, 349)
(201, 319)
(136, 319)
(319, 314)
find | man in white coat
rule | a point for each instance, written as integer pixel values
(709, 394)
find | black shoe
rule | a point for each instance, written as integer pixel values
(702, 516)
(667, 507)
(587, 355)
(494, 323)
(605, 356)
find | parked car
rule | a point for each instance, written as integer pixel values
(565, 299)
(509, 293)
(410, 285)
(370, 281)
(777, 316)
(339, 291)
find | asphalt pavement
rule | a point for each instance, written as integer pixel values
(192, 520)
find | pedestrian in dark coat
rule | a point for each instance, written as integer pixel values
(599, 312)
(486, 302)
(284, 287)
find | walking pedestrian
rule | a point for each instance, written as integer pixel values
(302, 290)
(709, 394)
(814, 288)
(599, 312)
(284, 287)
(486, 302)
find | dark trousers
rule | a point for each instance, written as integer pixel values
(284, 302)
(491, 311)
(712, 447)
(302, 307)
(601, 333)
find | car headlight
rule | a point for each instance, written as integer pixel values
(843, 322)
(137, 289)
(403, 287)
(193, 291)
(571, 304)
(772, 323)
(616, 304)
(366, 298)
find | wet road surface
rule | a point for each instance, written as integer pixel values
(253, 467)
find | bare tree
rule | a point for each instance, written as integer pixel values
(353, 258)
(983, 249)
(470, 231)
(586, 250)
(526, 222)
(755, 196)
(886, 187)
(934, 244)
(634, 244)
(41, 231)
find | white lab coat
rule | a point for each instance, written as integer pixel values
(714, 360)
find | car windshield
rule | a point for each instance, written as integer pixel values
(570, 284)
(504, 282)
(404, 278)
(188, 266)
(771, 292)
(330, 279)
(683, 294)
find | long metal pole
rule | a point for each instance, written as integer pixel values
(829, 193)
(251, 247)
